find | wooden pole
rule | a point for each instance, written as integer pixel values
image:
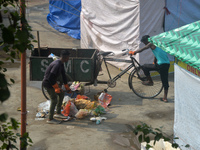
(38, 37)
(23, 77)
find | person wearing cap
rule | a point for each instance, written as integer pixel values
(52, 74)
(161, 64)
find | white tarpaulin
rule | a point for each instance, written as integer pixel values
(113, 25)
(187, 112)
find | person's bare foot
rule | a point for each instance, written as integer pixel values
(164, 100)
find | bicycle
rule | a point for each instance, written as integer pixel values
(136, 76)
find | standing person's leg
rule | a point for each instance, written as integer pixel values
(59, 104)
(164, 71)
(147, 68)
(53, 98)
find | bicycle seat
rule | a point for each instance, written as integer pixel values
(105, 53)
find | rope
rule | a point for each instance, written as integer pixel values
(179, 13)
(64, 10)
(71, 6)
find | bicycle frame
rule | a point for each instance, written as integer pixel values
(135, 79)
(133, 62)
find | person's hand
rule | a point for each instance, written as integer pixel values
(57, 88)
(67, 88)
(132, 52)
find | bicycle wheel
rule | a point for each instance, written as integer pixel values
(46, 94)
(135, 82)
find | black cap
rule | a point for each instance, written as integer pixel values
(145, 38)
(64, 53)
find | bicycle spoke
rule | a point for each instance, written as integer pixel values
(145, 91)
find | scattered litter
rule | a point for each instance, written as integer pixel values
(82, 97)
(85, 104)
(39, 118)
(93, 119)
(104, 99)
(70, 127)
(82, 113)
(44, 106)
(73, 110)
(66, 109)
(97, 119)
(41, 115)
(99, 110)
(66, 99)
(79, 107)
(75, 85)
(53, 56)
(68, 118)
(43, 110)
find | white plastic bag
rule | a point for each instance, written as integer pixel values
(73, 110)
(44, 106)
(66, 99)
(82, 113)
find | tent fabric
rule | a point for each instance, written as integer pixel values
(187, 113)
(181, 13)
(64, 16)
(115, 25)
(183, 43)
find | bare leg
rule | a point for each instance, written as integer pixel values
(165, 95)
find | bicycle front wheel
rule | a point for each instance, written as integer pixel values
(45, 93)
(145, 91)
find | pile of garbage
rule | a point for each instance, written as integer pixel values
(80, 107)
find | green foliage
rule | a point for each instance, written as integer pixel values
(15, 38)
(144, 131)
(9, 138)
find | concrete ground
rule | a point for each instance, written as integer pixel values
(111, 134)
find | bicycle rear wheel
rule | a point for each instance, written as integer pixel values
(135, 82)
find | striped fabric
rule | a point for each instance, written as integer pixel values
(182, 42)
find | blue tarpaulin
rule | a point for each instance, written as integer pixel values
(181, 12)
(64, 16)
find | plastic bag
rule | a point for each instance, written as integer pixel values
(66, 99)
(82, 97)
(99, 110)
(91, 105)
(44, 106)
(82, 113)
(75, 85)
(66, 109)
(104, 99)
(85, 104)
(53, 56)
(73, 110)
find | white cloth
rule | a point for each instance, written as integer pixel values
(114, 25)
(187, 112)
